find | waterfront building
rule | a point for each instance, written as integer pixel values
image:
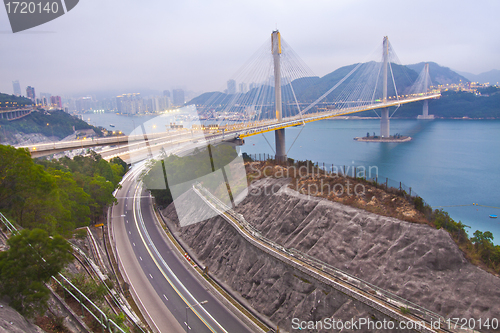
(243, 87)
(231, 87)
(178, 95)
(30, 93)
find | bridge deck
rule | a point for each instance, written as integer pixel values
(272, 125)
(241, 130)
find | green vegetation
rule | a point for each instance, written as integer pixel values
(56, 196)
(48, 199)
(33, 257)
(56, 123)
(91, 289)
(13, 102)
(479, 249)
(404, 310)
(182, 170)
(456, 104)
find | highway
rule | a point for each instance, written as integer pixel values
(169, 294)
(350, 285)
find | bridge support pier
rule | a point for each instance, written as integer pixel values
(280, 145)
(385, 123)
(426, 109)
(425, 112)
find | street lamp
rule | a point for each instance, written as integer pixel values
(52, 138)
(191, 307)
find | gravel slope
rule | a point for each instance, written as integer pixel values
(414, 261)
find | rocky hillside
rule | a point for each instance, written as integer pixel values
(412, 260)
(12, 322)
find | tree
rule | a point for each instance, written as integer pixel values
(482, 238)
(33, 257)
(483, 242)
(118, 173)
(119, 161)
(101, 193)
(28, 192)
(73, 197)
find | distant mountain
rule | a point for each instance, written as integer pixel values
(208, 97)
(491, 77)
(404, 78)
(439, 74)
(458, 104)
(308, 89)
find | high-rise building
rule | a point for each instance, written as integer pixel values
(178, 96)
(17, 88)
(56, 101)
(83, 104)
(243, 87)
(231, 87)
(30, 93)
(166, 93)
(165, 103)
(45, 99)
(130, 104)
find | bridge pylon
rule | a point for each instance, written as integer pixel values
(384, 120)
(425, 110)
(279, 134)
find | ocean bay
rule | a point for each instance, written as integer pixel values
(448, 162)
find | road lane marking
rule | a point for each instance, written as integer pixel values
(132, 286)
(133, 244)
(140, 258)
(165, 297)
(151, 276)
(137, 203)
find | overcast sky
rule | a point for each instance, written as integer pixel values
(198, 45)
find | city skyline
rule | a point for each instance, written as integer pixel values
(200, 45)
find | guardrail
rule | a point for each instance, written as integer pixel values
(100, 317)
(271, 125)
(118, 302)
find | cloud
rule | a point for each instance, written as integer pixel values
(200, 44)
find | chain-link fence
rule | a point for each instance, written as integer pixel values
(362, 173)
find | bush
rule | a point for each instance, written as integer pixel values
(80, 233)
(404, 310)
(89, 287)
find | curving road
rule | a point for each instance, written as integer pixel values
(169, 294)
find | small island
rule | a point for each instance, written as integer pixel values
(392, 138)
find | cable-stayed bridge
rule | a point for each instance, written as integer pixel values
(283, 93)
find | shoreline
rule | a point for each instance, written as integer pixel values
(378, 139)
